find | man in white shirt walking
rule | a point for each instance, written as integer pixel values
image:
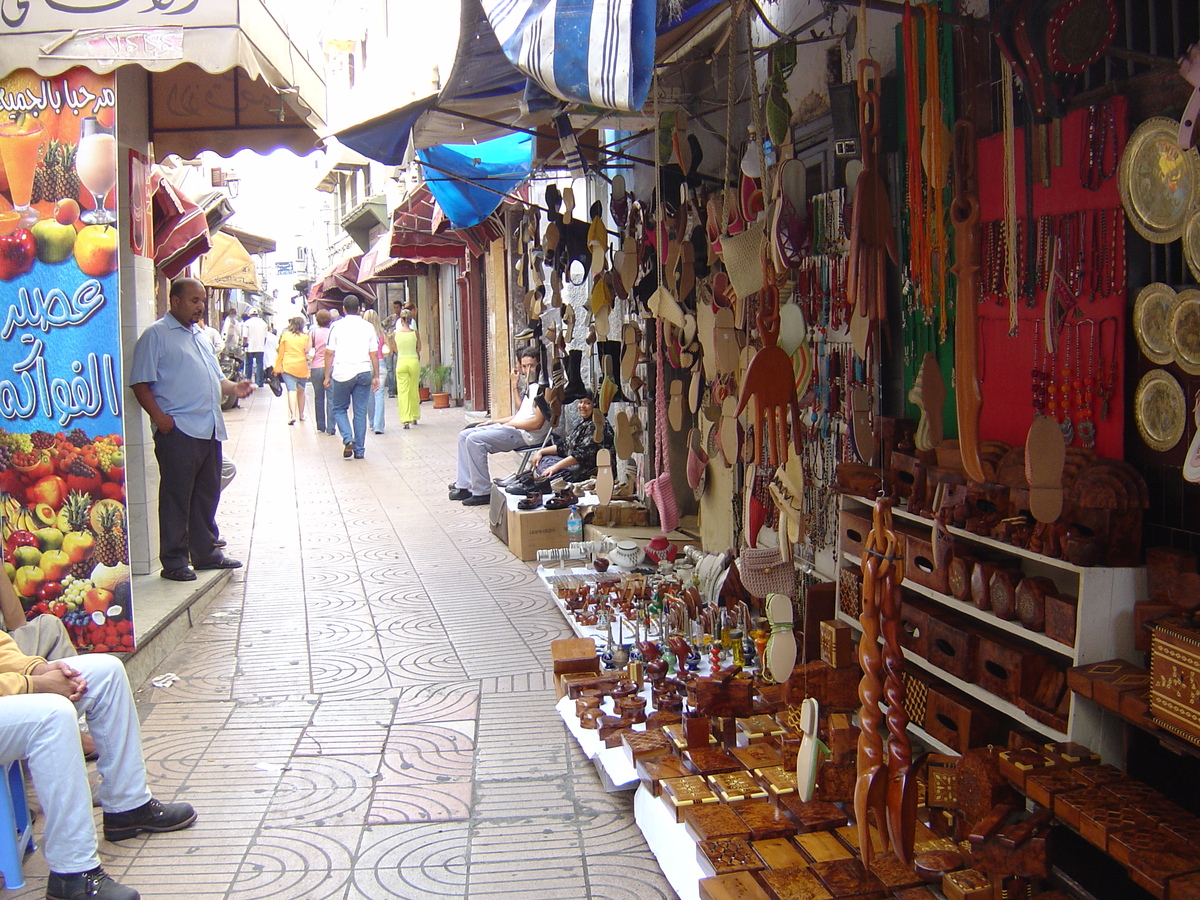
(256, 345)
(352, 375)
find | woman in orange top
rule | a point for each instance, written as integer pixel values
(291, 363)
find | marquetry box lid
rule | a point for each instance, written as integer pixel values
(822, 846)
(815, 815)
(966, 884)
(735, 886)
(848, 879)
(643, 744)
(736, 787)
(779, 853)
(757, 756)
(778, 780)
(711, 821)
(849, 834)
(793, 883)
(1017, 765)
(1101, 774)
(723, 856)
(1041, 787)
(683, 793)
(1185, 887)
(1158, 870)
(1073, 753)
(1175, 677)
(764, 820)
(895, 874)
(759, 728)
(1069, 807)
(710, 761)
(654, 770)
(1096, 823)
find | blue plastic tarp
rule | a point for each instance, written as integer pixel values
(470, 180)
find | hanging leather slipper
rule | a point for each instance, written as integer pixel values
(629, 263)
(604, 476)
(597, 243)
(675, 406)
(629, 353)
(697, 459)
(1045, 455)
(624, 436)
(780, 653)
(725, 339)
(728, 437)
(695, 391)
(679, 141)
(568, 200)
(618, 203)
(598, 422)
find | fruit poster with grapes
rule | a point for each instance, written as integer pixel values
(62, 458)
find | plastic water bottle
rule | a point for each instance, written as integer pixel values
(574, 525)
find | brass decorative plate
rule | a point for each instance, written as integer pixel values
(1185, 331)
(1159, 183)
(1152, 313)
(1158, 407)
(1191, 244)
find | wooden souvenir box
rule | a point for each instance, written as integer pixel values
(914, 624)
(958, 721)
(1006, 668)
(1175, 677)
(919, 566)
(837, 644)
(734, 886)
(953, 644)
(850, 590)
(854, 531)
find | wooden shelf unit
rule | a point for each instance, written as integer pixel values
(1104, 626)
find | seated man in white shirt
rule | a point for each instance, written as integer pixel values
(526, 428)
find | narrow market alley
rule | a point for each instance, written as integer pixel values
(365, 711)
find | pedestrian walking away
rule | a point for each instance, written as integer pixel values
(352, 374)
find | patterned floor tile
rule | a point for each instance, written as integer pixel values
(412, 862)
(297, 862)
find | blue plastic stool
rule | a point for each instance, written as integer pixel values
(14, 814)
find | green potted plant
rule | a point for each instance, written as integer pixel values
(423, 382)
(439, 376)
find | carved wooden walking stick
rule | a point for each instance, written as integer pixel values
(902, 781)
(871, 787)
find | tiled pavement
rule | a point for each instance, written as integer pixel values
(365, 710)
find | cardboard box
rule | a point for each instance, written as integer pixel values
(526, 532)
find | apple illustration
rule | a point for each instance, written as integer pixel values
(55, 242)
(50, 490)
(26, 556)
(49, 538)
(97, 600)
(96, 250)
(50, 591)
(54, 564)
(18, 252)
(66, 211)
(27, 580)
(9, 570)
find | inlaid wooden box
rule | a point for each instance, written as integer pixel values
(653, 771)
(837, 644)
(815, 815)
(1003, 590)
(1061, 613)
(958, 721)
(1175, 677)
(914, 624)
(919, 566)
(757, 756)
(953, 644)
(850, 590)
(854, 530)
(916, 695)
(736, 787)
(1018, 765)
(967, 884)
(765, 821)
(842, 738)
(643, 744)
(793, 883)
(1163, 566)
(823, 846)
(1033, 591)
(710, 761)
(779, 853)
(724, 856)
(835, 783)
(841, 687)
(759, 729)
(711, 821)
(681, 794)
(778, 780)
(1006, 668)
(848, 879)
(958, 576)
(909, 474)
(895, 875)
(735, 886)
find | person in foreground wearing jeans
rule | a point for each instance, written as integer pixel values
(352, 373)
(39, 705)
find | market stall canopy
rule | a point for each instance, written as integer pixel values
(486, 93)
(470, 181)
(254, 243)
(180, 229)
(228, 265)
(378, 264)
(225, 75)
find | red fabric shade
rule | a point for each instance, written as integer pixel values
(180, 228)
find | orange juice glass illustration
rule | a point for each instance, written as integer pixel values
(19, 141)
(96, 165)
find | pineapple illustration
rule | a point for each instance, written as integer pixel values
(79, 543)
(56, 177)
(111, 548)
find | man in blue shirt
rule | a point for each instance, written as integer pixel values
(177, 381)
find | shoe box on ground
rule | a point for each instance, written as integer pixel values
(528, 531)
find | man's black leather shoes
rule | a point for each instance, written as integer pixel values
(477, 499)
(151, 816)
(93, 885)
(183, 573)
(459, 494)
(221, 562)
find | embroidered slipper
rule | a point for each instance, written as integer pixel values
(618, 203)
(675, 406)
(1045, 456)
(605, 481)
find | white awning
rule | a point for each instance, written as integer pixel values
(224, 50)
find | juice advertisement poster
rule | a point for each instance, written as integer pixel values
(62, 457)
